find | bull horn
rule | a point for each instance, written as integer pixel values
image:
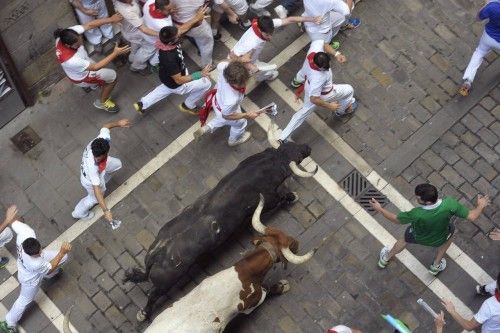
(256, 223)
(295, 259)
(271, 137)
(301, 173)
(66, 328)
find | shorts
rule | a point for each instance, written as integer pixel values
(410, 234)
(240, 7)
(98, 78)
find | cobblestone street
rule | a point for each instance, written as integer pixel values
(405, 63)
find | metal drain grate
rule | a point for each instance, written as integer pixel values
(26, 139)
(362, 191)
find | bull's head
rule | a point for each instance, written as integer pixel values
(282, 243)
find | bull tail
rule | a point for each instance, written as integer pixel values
(135, 275)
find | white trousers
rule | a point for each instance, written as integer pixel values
(341, 93)
(486, 44)
(237, 126)
(337, 19)
(141, 51)
(261, 4)
(6, 236)
(194, 89)
(84, 205)
(28, 291)
(94, 36)
(204, 39)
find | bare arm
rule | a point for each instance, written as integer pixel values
(231, 15)
(482, 203)
(78, 5)
(65, 248)
(148, 31)
(200, 15)
(181, 79)
(332, 106)
(298, 19)
(466, 324)
(241, 115)
(97, 23)
(387, 214)
(105, 61)
(10, 216)
(334, 53)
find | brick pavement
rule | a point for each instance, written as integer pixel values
(404, 61)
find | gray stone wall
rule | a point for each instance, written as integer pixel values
(27, 28)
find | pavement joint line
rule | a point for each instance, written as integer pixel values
(378, 231)
(80, 226)
(454, 252)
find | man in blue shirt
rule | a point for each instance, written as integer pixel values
(489, 40)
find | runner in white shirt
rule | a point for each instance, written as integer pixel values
(236, 12)
(488, 316)
(315, 79)
(33, 265)
(83, 71)
(334, 13)
(5, 232)
(251, 44)
(225, 101)
(89, 10)
(134, 30)
(185, 11)
(96, 170)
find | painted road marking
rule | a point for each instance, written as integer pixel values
(454, 252)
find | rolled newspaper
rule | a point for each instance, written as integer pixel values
(426, 307)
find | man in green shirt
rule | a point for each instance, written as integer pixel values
(429, 224)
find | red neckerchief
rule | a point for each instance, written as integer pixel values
(256, 30)
(497, 294)
(240, 90)
(310, 60)
(164, 47)
(207, 107)
(102, 165)
(63, 52)
(155, 13)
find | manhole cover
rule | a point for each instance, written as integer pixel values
(362, 191)
(26, 139)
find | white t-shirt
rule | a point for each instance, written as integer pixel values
(89, 170)
(323, 8)
(74, 65)
(227, 98)
(250, 41)
(30, 270)
(153, 23)
(88, 3)
(317, 81)
(132, 17)
(186, 9)
(489, 316)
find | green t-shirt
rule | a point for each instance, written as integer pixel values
(431, 225)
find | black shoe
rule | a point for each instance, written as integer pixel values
(217, 36)
(481, 290)
(291, 197)
(3, 261)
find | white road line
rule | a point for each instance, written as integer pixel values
(454, 252)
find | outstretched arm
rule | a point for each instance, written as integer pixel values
(387, 214)
(482, 203)
(10, 216)
(97, 23)
(298, 19)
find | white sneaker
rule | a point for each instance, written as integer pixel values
(272, 75)
(384, 257)
(89, 216)
(200, 132)
(243, 138)
(281, 12)
(435, 270)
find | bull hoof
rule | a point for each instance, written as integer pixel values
(141, 316)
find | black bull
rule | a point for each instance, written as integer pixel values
(213, 217)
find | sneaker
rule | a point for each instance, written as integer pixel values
(108, 106)
(335, 44)
(272, 75)
(384, 257)
(243, 138)
(144, 72)
(217, 36)
(481, 290)
(292, 198)
(354, 106)
(244, 25)
(138, 107)
(200, 132)
(352, 23)
(281, 12)
(3, 261)
(465, 88)
(54, 275)
(89, 216)
(7, 329)
(435, 270)
(115, 224)
(296, 83)
(185, 109)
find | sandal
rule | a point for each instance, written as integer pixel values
(352, 23)
(465, 88)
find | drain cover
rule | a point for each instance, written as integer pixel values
(26, 139)
(362, 191)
